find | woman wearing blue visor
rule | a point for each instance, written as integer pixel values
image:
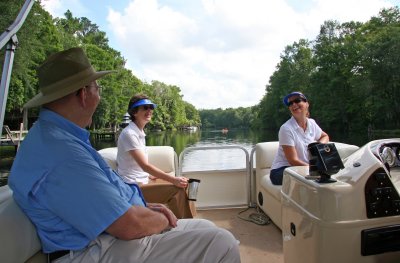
(134, 168)
(294, 136)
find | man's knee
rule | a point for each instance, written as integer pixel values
(225, 246)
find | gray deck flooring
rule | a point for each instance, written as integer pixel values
(258, 243)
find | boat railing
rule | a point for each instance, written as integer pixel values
(248, 170)
(253, 194)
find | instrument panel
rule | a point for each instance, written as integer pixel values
(389, 154)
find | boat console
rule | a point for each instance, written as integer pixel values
(353, 218)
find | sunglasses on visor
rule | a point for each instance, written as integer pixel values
(148, 107)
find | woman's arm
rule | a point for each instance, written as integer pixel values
(140, 158)
(324, 137)
(292, 157)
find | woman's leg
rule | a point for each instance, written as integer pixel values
(160, 191)
(276, 175)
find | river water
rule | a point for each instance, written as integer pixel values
(218, 159)
(202, 160)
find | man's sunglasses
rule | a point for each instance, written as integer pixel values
(148, 107)
(298, 100)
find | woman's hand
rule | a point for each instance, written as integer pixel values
(180, 181)
(152, 177)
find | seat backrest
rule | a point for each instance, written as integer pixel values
(265, 154)
(110, 156)
(163, 157)
(18, 237)
(345, 150)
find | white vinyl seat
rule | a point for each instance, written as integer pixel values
(268, 195)
(163, 157)
(18, 238)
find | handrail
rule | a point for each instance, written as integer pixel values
(248, 169)
(253, 202)
(9, 37)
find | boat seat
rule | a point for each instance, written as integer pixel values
(269, 195)
(18, 238)
(163, 157)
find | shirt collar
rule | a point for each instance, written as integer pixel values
(63, 123)
(295, 125)
(136, 129)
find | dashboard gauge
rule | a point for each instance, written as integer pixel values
(388, 156)
(398, 153)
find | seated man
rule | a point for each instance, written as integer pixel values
(134, 167)
(82, 210)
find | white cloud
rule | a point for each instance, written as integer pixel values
(221, 53)
(57, 8)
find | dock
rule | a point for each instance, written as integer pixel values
(103, 135)
(12, 138)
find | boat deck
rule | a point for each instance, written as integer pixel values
(257, 242)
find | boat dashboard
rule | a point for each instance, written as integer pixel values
(383, 187)
(388, 153)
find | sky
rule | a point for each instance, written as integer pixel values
(220, 53)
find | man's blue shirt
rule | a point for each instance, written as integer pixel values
(65, 187)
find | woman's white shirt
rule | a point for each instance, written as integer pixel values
(291, 134)
(131, 138)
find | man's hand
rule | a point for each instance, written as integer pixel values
(165, 211)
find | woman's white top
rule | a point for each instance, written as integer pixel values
(131, 139)
(291, 134)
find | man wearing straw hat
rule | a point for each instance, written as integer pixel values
(82, 210)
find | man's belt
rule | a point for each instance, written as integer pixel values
(57, 254)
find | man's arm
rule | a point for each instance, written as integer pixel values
(138, 222)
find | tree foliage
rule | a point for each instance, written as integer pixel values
(350, 73)
(41, 35)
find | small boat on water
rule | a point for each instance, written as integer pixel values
(352, 218)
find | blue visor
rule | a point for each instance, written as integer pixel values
(295, 93)
(143, 102)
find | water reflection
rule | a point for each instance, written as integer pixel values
(202, 160)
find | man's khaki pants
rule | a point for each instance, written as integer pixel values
(192, 241)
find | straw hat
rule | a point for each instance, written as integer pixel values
(63, 73)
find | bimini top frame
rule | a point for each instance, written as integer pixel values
(9, 38)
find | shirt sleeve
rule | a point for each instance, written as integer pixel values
(317, 130)
(286, 136)
(80, 194)
(129, 142)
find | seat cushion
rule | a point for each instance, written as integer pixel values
(110, 156)
(18, 237)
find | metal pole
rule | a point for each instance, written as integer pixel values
(9, 37)
(6, 76)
